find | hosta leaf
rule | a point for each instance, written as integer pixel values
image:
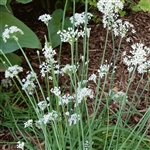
(28, 39)
(13, 58)
(3, 2)
(55, 25)
(6, 8)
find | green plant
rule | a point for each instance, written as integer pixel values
(142, 5)
(57, 23)
(28, 40)
(58, 4)
(55, 117)
(131, 5)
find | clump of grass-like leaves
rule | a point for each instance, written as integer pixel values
(54, 117)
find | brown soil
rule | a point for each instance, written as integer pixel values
(29, 14)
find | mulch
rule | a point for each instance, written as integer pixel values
(29, 14)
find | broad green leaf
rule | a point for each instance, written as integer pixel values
(24, 1)
(144, 5)
(6, 8)
(28, 39)
(55, 25)
(3, 2)
(136, 8)
(13, 58)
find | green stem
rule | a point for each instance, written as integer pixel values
(31, 69)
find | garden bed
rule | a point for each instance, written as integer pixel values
(29, 14)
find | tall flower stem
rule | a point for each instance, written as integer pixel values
(31, 68)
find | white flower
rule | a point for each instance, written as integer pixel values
(68, 69)
(118, 95)
(45, 18)
(49, 52)
(51, 116)
(108, 20)
(43, 104)
(28, 83)
(28, 123)
(31, 76)
(56, 91)
(93, 78)
(120, 28)
(46, 67)
(6, 83)
(80, 18)
(74, 118)
(67, 113)
(11, 32)
(109, 6)
(128, 39)
(65, 99)
(86, 145)
(13, 71)
(110, 10)
(20, 145)
(50, 63)
(88, 30)
(70, 35)
(104, 69)
(138, 58)
(82, 94)
(38, 123)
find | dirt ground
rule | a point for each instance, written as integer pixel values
(29, 14)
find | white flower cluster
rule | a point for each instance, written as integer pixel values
(73, 119)
(119, 94)
(92, 78)
(120, 28)
(82, 94)
(51, 116)
(80, 18)
(13, 71)
(70, 35)
(28, 83)
(45, 18)
(86, 145)
(110, 10)
(56, 91)
(68, 69)
(138, 58)
(28, 123)
(6, 83)
(43, 104)
(20, 145)
(108, 20)
(50, 63)
(46, 67)
(104, 69)
(65, 99)
(11, 32)
(49, 53)
(109, 7)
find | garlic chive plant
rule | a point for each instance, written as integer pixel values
(54, 117)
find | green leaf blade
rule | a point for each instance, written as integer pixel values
(28, 39)
(3, 2)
